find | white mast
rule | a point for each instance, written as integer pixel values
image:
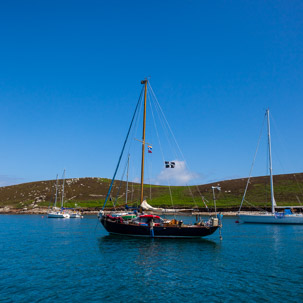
(56, 196)
(273, 201)
(62, 198)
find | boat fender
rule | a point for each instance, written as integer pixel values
(214, 222)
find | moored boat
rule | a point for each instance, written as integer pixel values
(75, 214)
(278, 214)
(152, 225)
(58, 214)
(156, 227)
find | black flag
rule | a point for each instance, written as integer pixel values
(170, 164)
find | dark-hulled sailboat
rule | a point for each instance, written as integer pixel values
(150, 225)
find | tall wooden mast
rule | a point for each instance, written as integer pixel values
(143, 138)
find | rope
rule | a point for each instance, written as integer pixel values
(252, 166)
(130, 127)
(282, 143)
(260, 209)
(300, 188)
(160, 146)
(178, 148)
(120, 184)
(165, 129)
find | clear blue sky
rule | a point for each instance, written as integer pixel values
(70, 76)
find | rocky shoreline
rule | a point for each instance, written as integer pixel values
(35, 211)
(43, 211)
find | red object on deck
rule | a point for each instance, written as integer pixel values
(150, 216)
(237, 221)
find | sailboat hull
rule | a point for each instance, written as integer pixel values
(58, 215)
(272, 219)
(157, 231)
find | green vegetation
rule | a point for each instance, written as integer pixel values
(91, 192)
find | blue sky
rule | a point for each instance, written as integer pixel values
(70, 75)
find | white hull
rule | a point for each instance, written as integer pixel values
(75, 216)
(269, 218)
(58, 215)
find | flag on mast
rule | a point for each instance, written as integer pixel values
(149, 149)
(170, 164)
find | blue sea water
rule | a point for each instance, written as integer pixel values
(61, 260)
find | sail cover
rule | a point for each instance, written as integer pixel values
(146, 206)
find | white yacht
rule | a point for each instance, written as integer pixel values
(278, 214)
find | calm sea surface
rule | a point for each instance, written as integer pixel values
(59, 260)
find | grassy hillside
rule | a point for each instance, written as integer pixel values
(91, 192)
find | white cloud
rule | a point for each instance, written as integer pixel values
(179, 175)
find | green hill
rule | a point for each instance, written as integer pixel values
(90, 193)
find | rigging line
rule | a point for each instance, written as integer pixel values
(160, 146)
(96, 226)
(131, 124)
(159, 140)
(134, 168)
(282, 143)
(133, 131)
(167, 123)
(117, 196)
(202, 197)
(132, 184)
(51, 195)
(132, 135)
(165, 126)
(150, 158)
(260, 209)
(299, 186)
(205, 199)
(175, 142)
(135, 128)
(164, 129)
(280, 140)
(298, 199)
(150, 181)
(132, 195)
(251, 169)
(267, 172)
(168, 130)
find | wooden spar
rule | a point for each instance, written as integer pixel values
(143, 138)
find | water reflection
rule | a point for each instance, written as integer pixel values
(150, 242)
(154, 260)
(144, 248)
